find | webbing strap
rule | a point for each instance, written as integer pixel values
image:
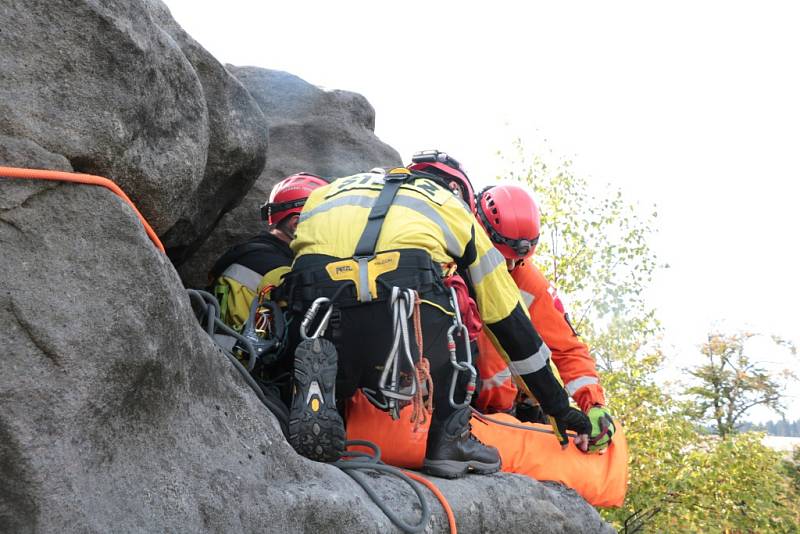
(369, 237)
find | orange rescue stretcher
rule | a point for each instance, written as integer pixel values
(601, 479)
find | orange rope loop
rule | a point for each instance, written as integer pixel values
(422, 409)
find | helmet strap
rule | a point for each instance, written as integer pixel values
(271, 208)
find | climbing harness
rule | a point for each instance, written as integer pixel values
(460, 367)
(365, 248)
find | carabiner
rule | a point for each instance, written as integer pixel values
(311, 314)
(460, 367)
(456, 309)
(470, 387)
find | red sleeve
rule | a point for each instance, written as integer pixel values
(570, 355)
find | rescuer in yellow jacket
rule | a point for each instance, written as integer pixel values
(363, 242)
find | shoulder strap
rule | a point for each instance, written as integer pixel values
(369, 237)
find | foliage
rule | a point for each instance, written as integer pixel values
(595, 248)
(731, 382)
(792, 468)
(735, 485)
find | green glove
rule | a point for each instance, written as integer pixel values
(602, 428)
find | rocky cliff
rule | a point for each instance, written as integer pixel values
(117, 413)
(329, 133)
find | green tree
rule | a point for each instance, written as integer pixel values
(595, 248)
(730, 382)
(792, 467)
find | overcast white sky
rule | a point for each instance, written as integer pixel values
(694, 106)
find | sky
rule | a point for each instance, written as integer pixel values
(692, 106)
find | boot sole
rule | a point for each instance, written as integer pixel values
(317, 434)
(456, 469)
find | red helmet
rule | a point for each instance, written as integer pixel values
(446, 169)
(510, 216)
(289, 195)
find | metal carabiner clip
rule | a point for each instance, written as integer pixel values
(461, 367)
(311, 314)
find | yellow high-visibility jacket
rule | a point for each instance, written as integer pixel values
(243, 271)
(425, 216)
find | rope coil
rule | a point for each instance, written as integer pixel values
(422, 409)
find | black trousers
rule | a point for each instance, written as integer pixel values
(363, 338)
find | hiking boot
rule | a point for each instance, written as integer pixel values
(453, 450)
(316, 429)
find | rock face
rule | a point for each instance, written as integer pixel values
(118, 89)
(117, 413)
(329, 133)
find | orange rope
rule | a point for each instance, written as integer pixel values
(421, 409)
(79, 178)
(451, 518)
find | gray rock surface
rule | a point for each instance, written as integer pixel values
(117, 414)
(237, 146)
(118, 89)
(329, 133)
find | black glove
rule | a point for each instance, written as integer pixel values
(530, 413)
(569, 419)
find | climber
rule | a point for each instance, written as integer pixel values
(510, 216)
(237, 275)
(361, 244)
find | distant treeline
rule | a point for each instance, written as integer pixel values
(775, 428)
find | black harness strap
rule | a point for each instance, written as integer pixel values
(365, 249)
(369, 237)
